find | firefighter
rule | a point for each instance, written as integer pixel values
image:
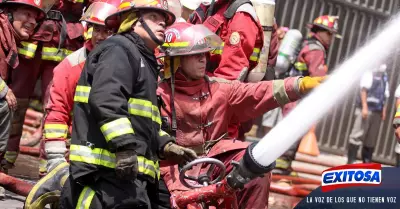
(56, 37)
(202, 107)
(396, 125)
(116, 137)
(237, 24)
(311, 61)
(18, 19)
(58, 120)
(370, 110)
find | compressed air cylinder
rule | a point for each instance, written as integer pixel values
(265, 10)
(288, 50)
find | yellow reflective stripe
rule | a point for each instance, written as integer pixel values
(124, 5)
(255, 55)
(28, 49)
(218, 50)
(88, 34)
(148, 167)
(85, 198)
(52, 54)
(103, 157)
(79, 1)
(176, 44)
(397, 112)
(283, 164)
(301, 66)
(42, 166)
(162, 133)
(144, 108)
(96, 156)
(55, 131)
(2, 84)
(11, 156)
(82, 94)
(116, 128)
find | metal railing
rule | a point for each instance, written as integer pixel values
(359, 19)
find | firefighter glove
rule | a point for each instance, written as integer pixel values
(48, 189)
(308, 83)
(178, 154)
(127, 164)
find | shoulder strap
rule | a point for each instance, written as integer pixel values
(216, 79)
(316, 45)
(240, 6)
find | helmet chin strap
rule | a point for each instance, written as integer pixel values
(151, 34)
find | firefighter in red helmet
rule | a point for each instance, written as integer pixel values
(57, 36)
(311, 61)
(197, 109)
(18, 20)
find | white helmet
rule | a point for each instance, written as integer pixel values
(191, 4)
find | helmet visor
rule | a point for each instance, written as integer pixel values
(195, 39)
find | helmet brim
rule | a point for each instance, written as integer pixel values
(41, 16)
(168, 14)
(335, 32)
(170, 17)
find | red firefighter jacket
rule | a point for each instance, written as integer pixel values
(58, 121)
(311, 59)
(49, 32)
(242, 37)
(205, 108)
(8, 53)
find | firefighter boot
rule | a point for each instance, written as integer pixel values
(367, 154)
(352, 153)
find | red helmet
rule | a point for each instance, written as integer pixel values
(40, 5)
(184, 38)
(327, 22)
(99, 11)
(141, 5)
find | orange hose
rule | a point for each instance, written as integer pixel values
(32, 151)
(15, 185)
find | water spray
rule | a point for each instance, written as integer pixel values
(261, 157)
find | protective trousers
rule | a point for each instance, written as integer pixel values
(106, 191)
(365, 133)
(5, 126)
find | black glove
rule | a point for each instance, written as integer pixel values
(178, 154)
(127, 164)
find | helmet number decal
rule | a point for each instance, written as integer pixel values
(168, 37)
(171, 35)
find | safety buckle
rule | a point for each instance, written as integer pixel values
(54, 15)
(90, 145)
